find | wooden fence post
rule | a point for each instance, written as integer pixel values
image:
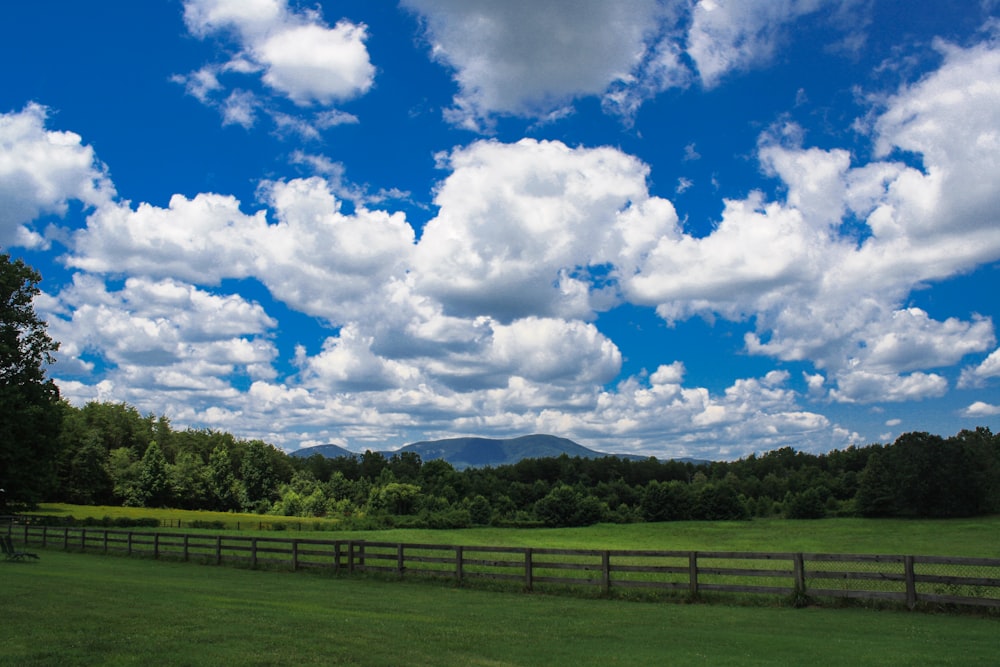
(83, 539)
(911, 585)
(156, 545)
(253, 552)
(105, 540)
(66, 538)
(218, 549)
(399, 559)
(528, 573)
(693, 573)
(295, 555)
(336, 556)
(186, 553)
(350, 557)
(606, 572)
(459, 564)
(798, 565)
(45, 534)
(129, 550)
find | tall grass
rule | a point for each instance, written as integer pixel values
(184, 518)
(955, 537)
(80, 609)
(929, 537)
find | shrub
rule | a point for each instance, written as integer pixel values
(208, 525)
(105, 522)
(451, 518)
(667, 501)
(809, 504)
(565, 506)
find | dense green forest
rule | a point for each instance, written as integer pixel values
(109, 453)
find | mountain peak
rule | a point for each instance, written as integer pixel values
(472, 452)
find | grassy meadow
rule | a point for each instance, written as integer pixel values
(976, 537)
(83, 609)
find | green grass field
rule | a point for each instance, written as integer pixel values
(973, 537)
(82, 609)
(946, 537)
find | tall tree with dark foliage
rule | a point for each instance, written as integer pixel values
(30, 411)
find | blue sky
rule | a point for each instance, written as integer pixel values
(666, 227)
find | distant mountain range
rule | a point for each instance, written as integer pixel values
(477, 452)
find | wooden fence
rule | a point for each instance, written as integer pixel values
(909, 580)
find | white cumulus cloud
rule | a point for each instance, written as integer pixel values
(818, 289)
(981, 409)
(520, 227)
(41, 171)
(294, 53)
(733, 35)
(527, 58)
(314, 258)
(531, 59)
(159, 339)
(975, 376)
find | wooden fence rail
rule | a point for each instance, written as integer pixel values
(909, 580)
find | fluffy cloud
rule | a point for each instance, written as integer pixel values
(527, 58)
(158, 339)
(817, 289)
(734, 35)
(203, 239)
(975, 376)
(867, 387)
(531, 59)
(950, 119)
(251, 18)
(313, 63)
(325, 263)
(756, 250)
(295, 53)
(914, 340)
(521, 226)
(40, 172)
(314, 258)
(554, 351)
(550, 356)
(347, 363)
(981, 409)
(751, 413)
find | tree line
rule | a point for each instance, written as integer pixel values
(108, 453)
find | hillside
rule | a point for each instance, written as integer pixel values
(477, 452)
(329, 451)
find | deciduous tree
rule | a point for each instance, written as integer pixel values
(29, 401)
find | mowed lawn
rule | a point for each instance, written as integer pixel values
(85, 609)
